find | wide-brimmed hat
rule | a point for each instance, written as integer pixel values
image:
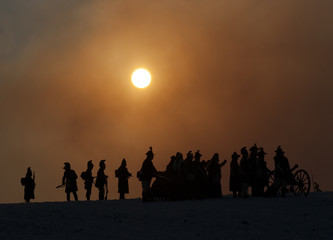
(261, 151)
(279, 149)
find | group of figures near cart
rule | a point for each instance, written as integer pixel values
(252, 172)
(190, 177)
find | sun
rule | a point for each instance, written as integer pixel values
(141, 78)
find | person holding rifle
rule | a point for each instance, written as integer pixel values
(29, 185)
(69, 181)
(122, 174)
(145, 175)
(101, 182)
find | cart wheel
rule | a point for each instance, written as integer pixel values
(301, 183)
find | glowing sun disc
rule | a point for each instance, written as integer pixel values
(141, 78)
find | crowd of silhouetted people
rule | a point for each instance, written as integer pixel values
(187, 177)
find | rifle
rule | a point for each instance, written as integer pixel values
(60, 186)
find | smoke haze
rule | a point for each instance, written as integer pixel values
(225, 74)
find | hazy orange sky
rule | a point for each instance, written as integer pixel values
(225, 74)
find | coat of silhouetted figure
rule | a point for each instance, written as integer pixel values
(122, 174)
(214, 176)
(189, 177)
(177, 170)
(201, 177)
(88, 179)
(261, 175)
(69, 180)
(101, 181)
(145, 175)
(29, 186)
(245, 172)
(235, 181)
(282, 171)
(253, 168)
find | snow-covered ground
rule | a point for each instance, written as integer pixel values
(252, 218)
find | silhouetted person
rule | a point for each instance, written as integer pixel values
(122, 174)
(177, 168)
(261, 174)
(170, 169)
(177, 165)
(235, 178)
(69, 180)
(101, 181)
(201, 177)
(245, 172)
(282, 171)
(253, 169)
(145, 175)
(188, 176)
(29, 186)
(88, 179)
(214, 176)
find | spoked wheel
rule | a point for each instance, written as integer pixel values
(301, 183)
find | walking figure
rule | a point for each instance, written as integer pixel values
(88, 179)
(122, 174)
(214, 176)
(260, 175)
(29, 185)
(245, 172)
(282, 171)
(252, 161)
(235, 182)
(69, 181)
(101, 182)
(145, 175)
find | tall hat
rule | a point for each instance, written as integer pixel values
(102, 163)
(67, 165)
(123, 162)
(150, 152)
(90, 164)
(29, 173)
(215, 156)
